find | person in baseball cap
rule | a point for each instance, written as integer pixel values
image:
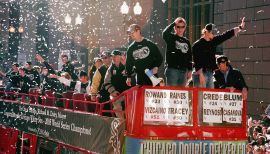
(142, 54)
(222, 59)
(211, 28)
(105, 54)
(132, 28)
(98, 80)
(97, 59)
(228, 77)
(204, 51)
(16, 64)
(115, 81)
(116, 53)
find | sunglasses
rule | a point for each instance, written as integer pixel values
(180, 26)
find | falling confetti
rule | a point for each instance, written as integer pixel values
(260, 11)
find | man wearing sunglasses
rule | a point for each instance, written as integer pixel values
(204, 51)
(178, 54)
(228, 77)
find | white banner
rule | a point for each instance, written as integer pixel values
(221, 107)
(166, 106)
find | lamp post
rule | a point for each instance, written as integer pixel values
(68, 19)
(20, 29)
(73, 31)
(78, 20)
(72, 27)
(124, 10)
(137, 9)
(11, 29)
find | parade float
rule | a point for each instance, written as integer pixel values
(158, 120)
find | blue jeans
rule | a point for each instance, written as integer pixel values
(176, 77)
(208, 77)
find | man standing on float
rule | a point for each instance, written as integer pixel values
(204, 51)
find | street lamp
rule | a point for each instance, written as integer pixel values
(137, 9)
(73, 30)
(11, 29)
(20, 29)
(124, 8)
(69, 23)
(68, 19)
(78, 20)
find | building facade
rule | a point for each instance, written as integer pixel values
(248, 52)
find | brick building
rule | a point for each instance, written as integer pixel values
(250, 51)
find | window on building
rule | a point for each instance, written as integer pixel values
(196, 12)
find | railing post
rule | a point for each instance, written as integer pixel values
(22, 98)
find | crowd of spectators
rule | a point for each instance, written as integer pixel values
(43, 78)
(259, 135)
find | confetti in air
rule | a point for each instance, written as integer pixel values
(260, 11)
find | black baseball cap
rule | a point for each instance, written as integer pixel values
(116, 52)
(222, 59)
(83, 73)
(29, 63)
(105, 54)
(97, 59)
(132, 28)
(211, 28)
(16, 64)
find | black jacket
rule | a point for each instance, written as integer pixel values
(34, 76)
(234, 79)
(25, 84)
(52, 84)
(13, 78)
(115, 79)
(204, 51)
(142, 55)
(68, 67)
(178, 53)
